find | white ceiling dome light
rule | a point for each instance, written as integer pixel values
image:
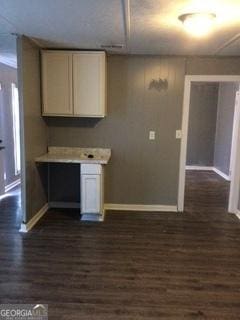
(198, 24)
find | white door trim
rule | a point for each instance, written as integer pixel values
(235, 159)
(234, 186)
(2, 181)
(234, 131)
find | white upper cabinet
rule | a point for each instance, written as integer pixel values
(57, 83)
(89, 84)
(74, 83)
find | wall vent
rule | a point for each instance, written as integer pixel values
(112, 46)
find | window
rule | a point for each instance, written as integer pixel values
(16, 129)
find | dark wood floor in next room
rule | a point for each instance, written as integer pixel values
(133, 266)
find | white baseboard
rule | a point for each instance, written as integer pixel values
(237, 214)
(140, 207)
(92, 217)
(12, 185)
(64, 205)
(206, 168)
(222, 174)
(200, 168)
(25, 227)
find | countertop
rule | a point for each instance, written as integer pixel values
(76, 155)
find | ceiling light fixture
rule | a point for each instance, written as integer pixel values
(198, 24)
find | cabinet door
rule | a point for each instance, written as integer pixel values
(90, 193)
(89, 72)
(57, 83)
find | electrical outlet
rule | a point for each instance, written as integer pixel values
(178, 134)
(151, 135)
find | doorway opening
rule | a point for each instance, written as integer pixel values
(209, 163)
(10, 145)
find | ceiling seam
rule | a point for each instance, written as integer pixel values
(36, 41)
(227, 43)
(8, 21)
(126, 21)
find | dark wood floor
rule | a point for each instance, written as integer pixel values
(133, 266)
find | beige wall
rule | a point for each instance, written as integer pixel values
(140, 171)
(35, 130)
(213, 66)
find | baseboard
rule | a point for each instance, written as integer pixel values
(237, 214)
(206, 168)
(12, 185)
(25, 227)
(92, 217)
(64, 205)
(200, 168)
(140, 207)
(222, 174)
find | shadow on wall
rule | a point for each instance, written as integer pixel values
(72, 122)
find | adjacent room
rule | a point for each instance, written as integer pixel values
(119, 159)
(211, 143)
(10, 146)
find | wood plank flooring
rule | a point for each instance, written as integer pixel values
(136, 266)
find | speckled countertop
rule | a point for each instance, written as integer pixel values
(76, 155)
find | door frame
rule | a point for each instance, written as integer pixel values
(2, 181)
(234, 132)
(235, 174)
(22, 126)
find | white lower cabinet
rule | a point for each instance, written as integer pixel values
(90, 197)
(92, 192)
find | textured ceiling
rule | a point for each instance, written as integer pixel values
(155, 27)
(142, 26)
(8, 50)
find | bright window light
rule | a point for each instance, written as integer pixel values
(16, 129)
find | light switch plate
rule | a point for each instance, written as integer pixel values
(151, 135)
(178, 134)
